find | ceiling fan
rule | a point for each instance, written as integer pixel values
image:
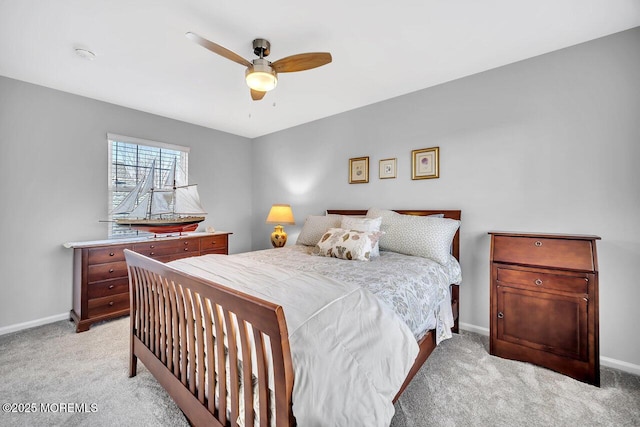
(262, 75)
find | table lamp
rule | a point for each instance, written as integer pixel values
(279, 214)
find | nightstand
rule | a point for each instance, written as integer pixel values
(544, 302)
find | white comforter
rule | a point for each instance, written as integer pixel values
(350, 352)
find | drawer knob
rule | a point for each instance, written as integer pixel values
(112, 286)
(111, 303)
(186, 249)
(538, 243)
(186, 243)
(500, 315)
(111, 270)
(111, 254)
(152, 246)
(538, 282)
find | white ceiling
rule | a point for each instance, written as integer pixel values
(381, 49)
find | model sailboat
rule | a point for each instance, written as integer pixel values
(173, 208)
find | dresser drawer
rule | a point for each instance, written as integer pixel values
(108, 288)
(158, 249)
(108, 305)
(106, 254)
(544, 252)
(542, 281)
(110, 270)
(224, 251)
(214, 243)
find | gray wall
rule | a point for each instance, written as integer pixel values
(549, 144)
(53, 170)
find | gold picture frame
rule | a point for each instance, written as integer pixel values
(387, 168)
(359, 170)
(425, 163)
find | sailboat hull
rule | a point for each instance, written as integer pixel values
(163, 226)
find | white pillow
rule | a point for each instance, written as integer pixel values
(363, 224)
(424, 236)
(315, 226)
(347, 244)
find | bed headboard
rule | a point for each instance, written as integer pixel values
(453, 214)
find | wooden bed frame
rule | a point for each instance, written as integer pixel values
(176, 316)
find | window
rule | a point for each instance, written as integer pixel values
(130, 160)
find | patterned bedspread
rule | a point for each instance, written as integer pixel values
(417, 289)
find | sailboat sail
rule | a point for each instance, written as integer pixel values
(174, 179)
(142, 209)
(149, 180)
(161, 203)
(128, 205)
(187, 201)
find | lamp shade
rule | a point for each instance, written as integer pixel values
(280, 214)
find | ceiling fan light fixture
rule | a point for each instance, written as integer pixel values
(261, 76)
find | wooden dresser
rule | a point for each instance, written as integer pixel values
(544, 302)
(100, 280)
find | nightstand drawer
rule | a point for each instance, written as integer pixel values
(110, 270)
(106, 254)
(544, 252)
(542, 281)
(213, 243)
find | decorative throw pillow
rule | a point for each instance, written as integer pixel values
(424, 236)
(363, 224)
(347, 244)
(315, 226)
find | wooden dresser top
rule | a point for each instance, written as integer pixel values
(125, 241)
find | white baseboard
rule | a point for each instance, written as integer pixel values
(604, 361)
(38, 322)
(474, 328)
(621, 365)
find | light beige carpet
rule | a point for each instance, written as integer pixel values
(56, 369)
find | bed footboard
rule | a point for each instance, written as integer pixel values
(222, 355)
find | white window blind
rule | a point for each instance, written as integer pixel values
(130, 161)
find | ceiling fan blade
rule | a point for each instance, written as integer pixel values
(256, 95)
(301, 62)
(216, 48)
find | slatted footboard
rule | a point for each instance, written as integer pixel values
(178, 322)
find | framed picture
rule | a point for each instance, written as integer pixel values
(359, 170)
(387, 168)
(425, 163)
